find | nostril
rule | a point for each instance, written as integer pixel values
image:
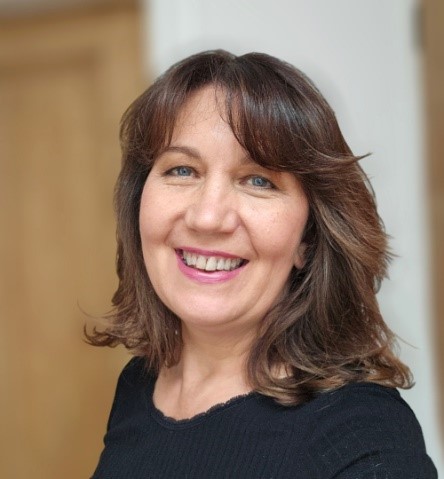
(211, 216)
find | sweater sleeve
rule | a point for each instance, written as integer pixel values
(366, 431)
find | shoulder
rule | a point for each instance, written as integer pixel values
(135, 371)
(135, 376)
(366, 430)
(367, 411)
(365, 402)
(134, 383)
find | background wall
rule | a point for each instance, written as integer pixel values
(365, 57)
(66, 76)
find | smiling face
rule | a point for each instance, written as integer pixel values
(220, 234)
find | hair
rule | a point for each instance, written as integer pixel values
(327, 330)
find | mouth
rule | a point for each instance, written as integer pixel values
(210, 263)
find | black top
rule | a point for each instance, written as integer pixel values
(360, 431)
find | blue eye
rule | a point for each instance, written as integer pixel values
(260, 182)
(181, 171)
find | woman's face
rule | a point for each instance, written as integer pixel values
(220, 234)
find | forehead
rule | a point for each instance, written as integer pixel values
(208, 104)
(251, 120)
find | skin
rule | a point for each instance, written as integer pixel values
(205, 194)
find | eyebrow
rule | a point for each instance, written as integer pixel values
(185, 150)
(194, 153)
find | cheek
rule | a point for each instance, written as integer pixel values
(281, 236)
(160, 217)
(152, 212)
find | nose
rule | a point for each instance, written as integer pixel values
(213, 209)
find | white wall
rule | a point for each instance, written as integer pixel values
(362, 56)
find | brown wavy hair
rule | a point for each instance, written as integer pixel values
(327, 330)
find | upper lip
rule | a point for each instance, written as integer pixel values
(205, 252)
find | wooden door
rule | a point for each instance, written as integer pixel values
(64, 82)
(433, 19)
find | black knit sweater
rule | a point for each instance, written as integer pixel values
(360, 431)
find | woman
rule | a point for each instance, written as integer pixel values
(249, 255)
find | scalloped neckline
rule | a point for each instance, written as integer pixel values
(218, 408)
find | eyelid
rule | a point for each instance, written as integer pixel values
(174, 170)
(270, 186)
(191, 172)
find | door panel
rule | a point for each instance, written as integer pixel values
(64, 83)
(433, 18)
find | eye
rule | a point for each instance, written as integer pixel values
(260, 182)
(180, 171)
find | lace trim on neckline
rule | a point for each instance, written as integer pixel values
(198, 418)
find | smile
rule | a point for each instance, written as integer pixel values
(210, 263)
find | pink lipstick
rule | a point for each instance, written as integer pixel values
(200, 275)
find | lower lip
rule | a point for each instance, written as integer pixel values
(207, 277)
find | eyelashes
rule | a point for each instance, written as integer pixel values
(255, 181)
(180, 171)
(261, 182)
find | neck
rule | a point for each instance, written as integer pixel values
(216, 353)
(211, 371)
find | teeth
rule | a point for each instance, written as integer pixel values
(210, 263)
(201, 262)
(220, 264)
